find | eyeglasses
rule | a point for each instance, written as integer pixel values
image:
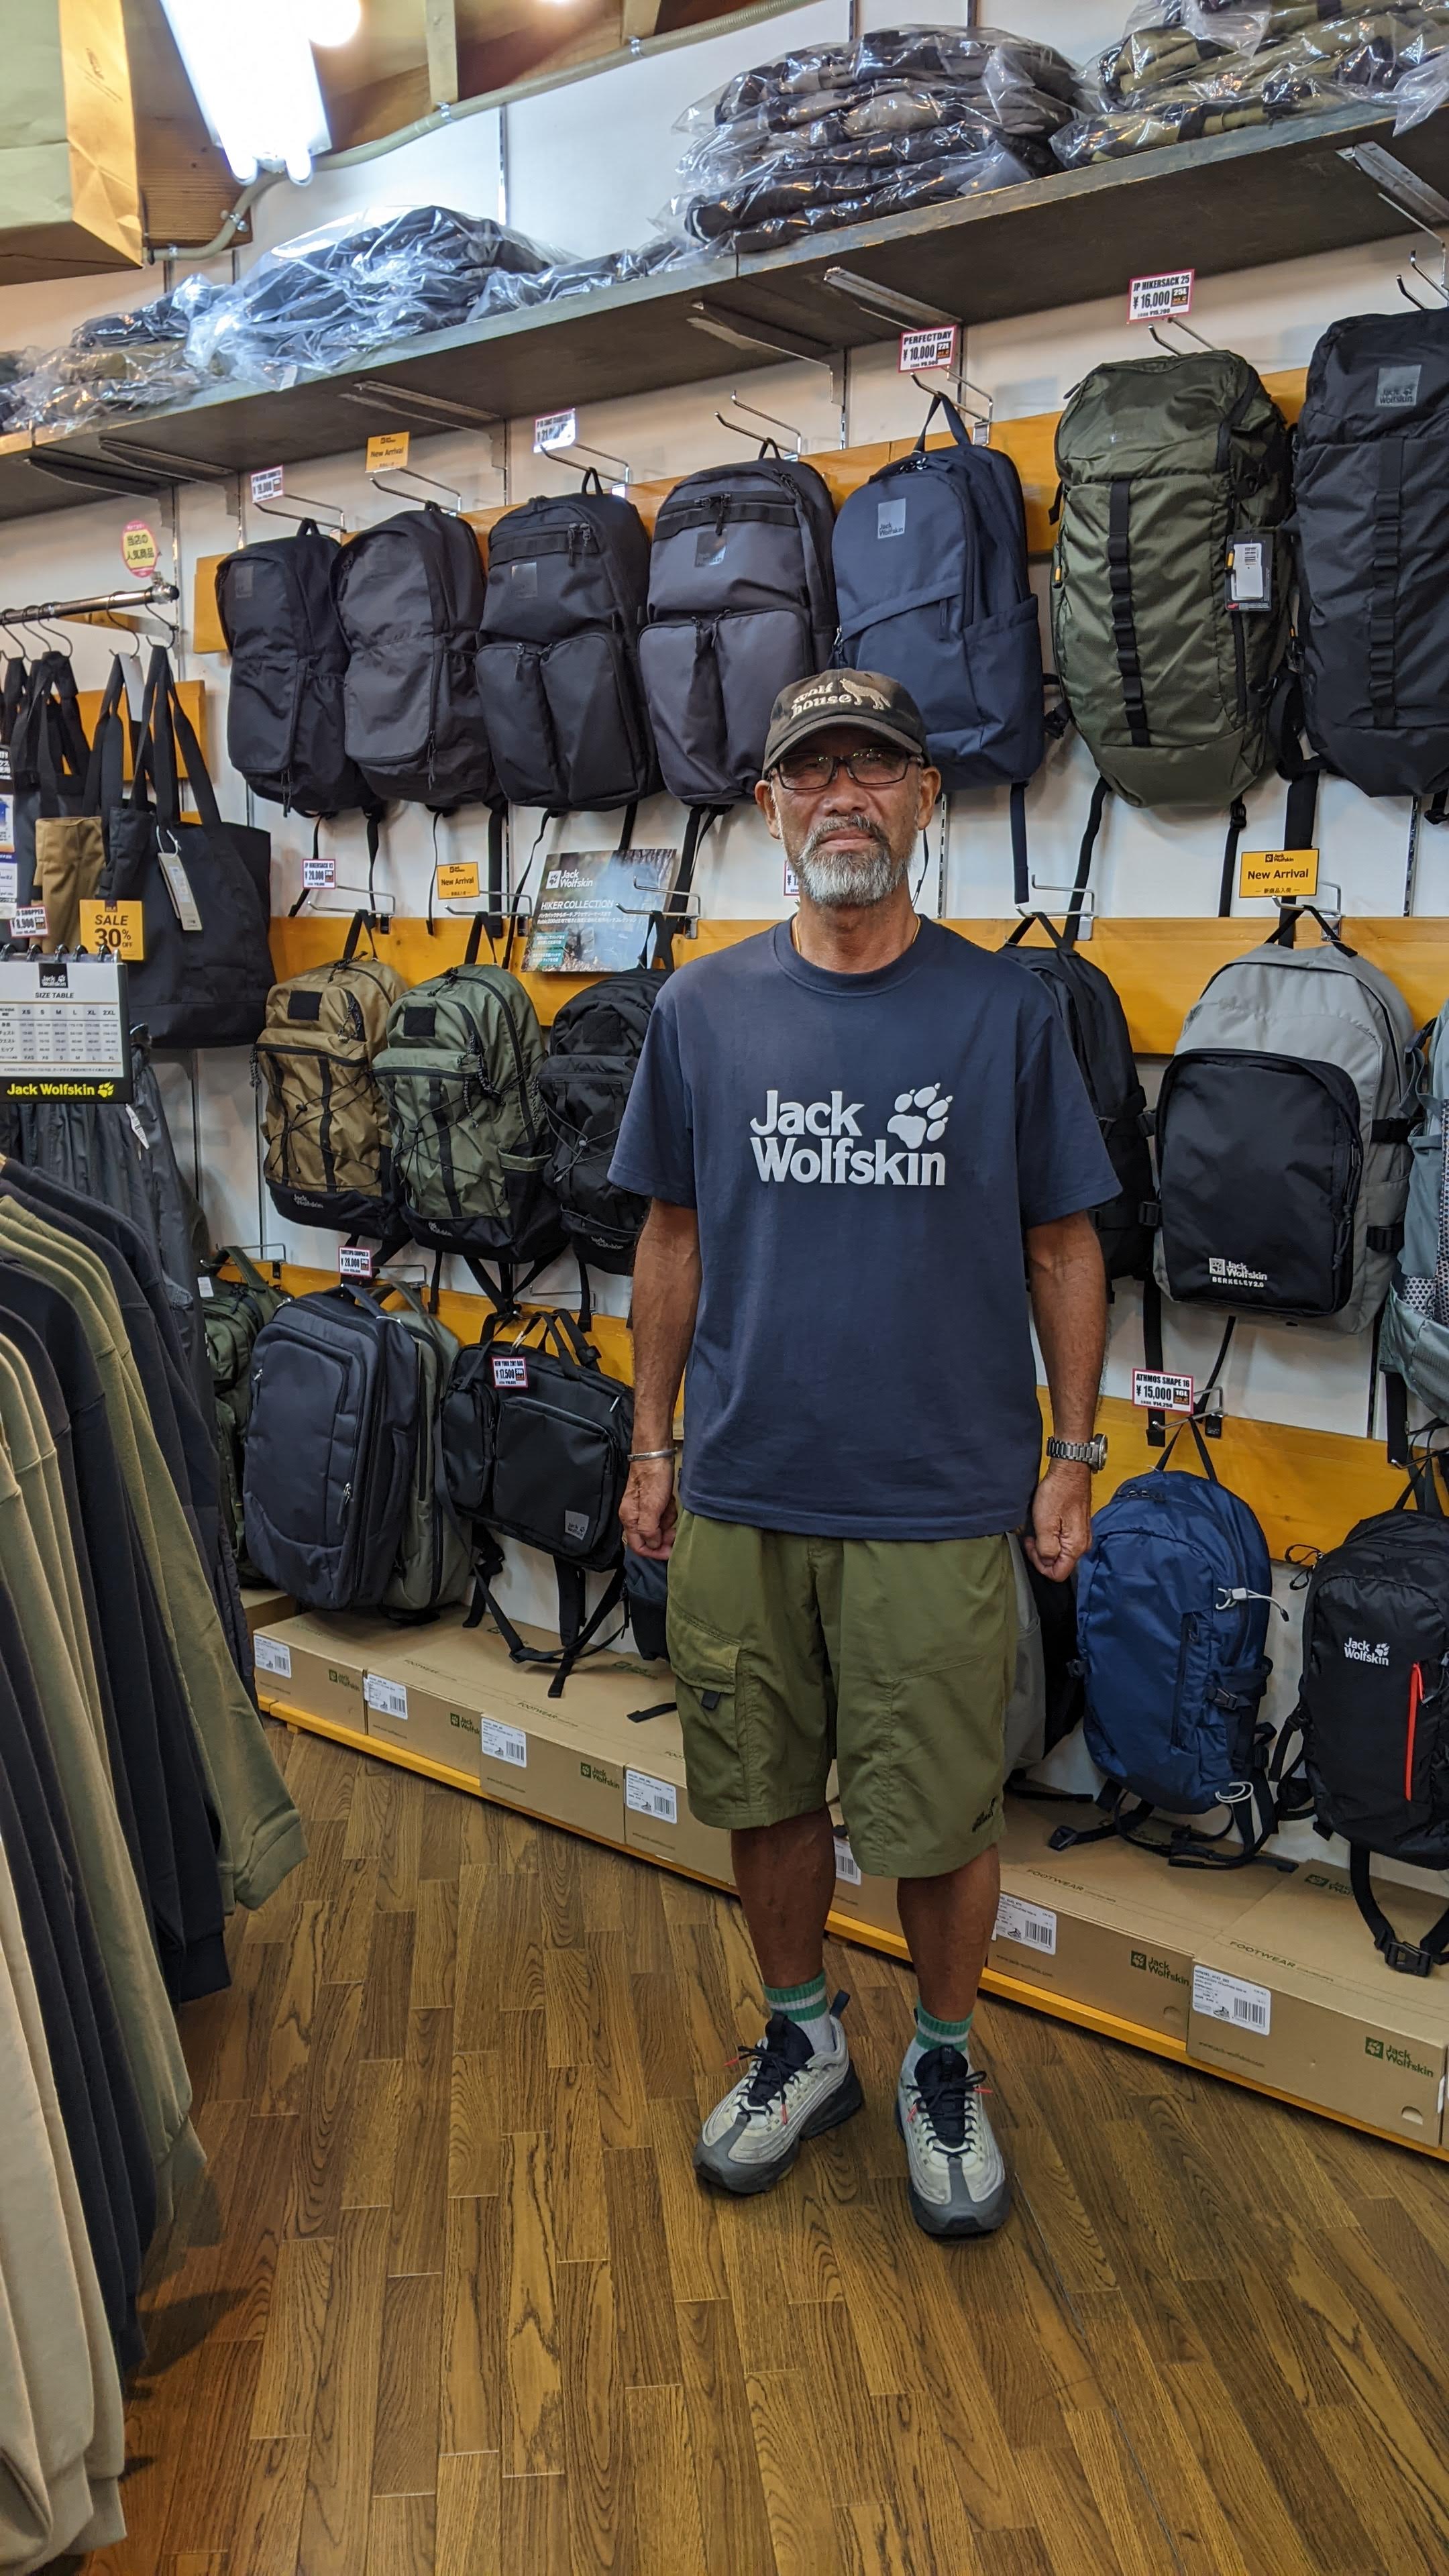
(810, 773)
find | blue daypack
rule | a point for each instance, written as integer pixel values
(1172, 1620)
(931, 583)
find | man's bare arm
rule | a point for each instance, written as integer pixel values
(1069, 1303)
(666, 1299)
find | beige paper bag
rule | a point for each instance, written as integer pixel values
(69, 197)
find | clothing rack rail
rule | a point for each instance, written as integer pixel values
(155, 594)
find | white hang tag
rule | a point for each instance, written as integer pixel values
(847, 1867)
(355, 1261)
(319, 872)
(1163, 1390)
(178, 886)
(1250, 574)
(142, 1139)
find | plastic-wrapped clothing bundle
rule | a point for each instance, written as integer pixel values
(1319, 62)
(325, 299)
(114, 365)
(841, 134)
(507, 289)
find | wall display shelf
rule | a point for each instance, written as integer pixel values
(1277, 192)
(1159, 966)
(849, 1927)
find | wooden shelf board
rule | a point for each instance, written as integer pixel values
(1266, 194)
(1159, 966)
(847, 1927)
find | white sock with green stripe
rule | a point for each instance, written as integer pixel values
(931, 2033)
(807, 2005)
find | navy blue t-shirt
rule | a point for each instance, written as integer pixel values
(863, 1152)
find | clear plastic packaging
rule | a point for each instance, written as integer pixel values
(330, 296)
(842, 134)
(1317, 62)
(506, 290)
(114, 365)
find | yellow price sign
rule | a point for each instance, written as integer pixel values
(1278, 872)
(389, 448)
(113, 929)
(458, 880)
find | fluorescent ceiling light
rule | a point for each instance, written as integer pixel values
(331, 22)
(255, 82)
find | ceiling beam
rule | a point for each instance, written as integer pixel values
(641, 17)
(441, 22)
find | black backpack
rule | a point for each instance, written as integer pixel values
(1372, 548)
(409, 595)
(1373, 1705)
(284, 716)
(585, 1079)
(741, 602)
(331, 1448)
(558, 660)
(1096, 1023)
(536, 1444)
(931, 572)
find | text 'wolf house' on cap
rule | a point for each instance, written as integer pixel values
(865, 699)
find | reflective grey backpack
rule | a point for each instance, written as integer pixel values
(741, 602)
(1414, 1349)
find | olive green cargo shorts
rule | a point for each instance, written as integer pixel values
(892, 1657)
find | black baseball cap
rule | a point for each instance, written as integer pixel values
(865, 699)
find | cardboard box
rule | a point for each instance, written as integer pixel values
(871, 1902)
(522, 1747)
(264, 1606)
(1297, 1997)
(1108, 1924)
(318, 1663)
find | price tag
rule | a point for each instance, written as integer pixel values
(389, 448)
(178, 886)
(1035, 1926)
(922, 349)
(9, 884)
(319, 872)
(1162, 1391)
(28, 921)
(5, 761)
(390, 1699)
(7, 828)
(650, 1797)
(271, 1656)
(1278, 872)
(140, 552)
(356, 1261)
(1156, 299)
(269, 484)
(510, 1368)
(554, 429)
(116, 928)
(847, 1866)
(792, 884)
(505, 1743)
(1232, 1999)
(458, 881)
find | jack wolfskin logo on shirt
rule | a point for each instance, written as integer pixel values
(1359, 1651)
(1235, 1274)
(919, 1118)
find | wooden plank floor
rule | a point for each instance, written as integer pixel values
(451, 2305)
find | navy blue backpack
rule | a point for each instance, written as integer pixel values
(931, 581)
(1172, 1620)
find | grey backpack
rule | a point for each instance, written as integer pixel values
(1282, 1131)
(1414, 1349)
(432, 1563)
(741, 602)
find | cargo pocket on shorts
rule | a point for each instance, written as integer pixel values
(706, 1678)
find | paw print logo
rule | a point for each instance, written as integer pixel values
(920, 1117)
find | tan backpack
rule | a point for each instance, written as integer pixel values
(328, 1150)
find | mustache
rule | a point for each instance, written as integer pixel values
(821, 832)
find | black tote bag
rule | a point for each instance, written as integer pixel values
(48, 757)
(204, 888)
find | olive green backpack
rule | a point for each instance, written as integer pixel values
(1170, 577)
(233, 1313)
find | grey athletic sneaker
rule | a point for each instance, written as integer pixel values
(789, 2094)
(959, 2184)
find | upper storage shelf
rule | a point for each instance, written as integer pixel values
(1233, 203)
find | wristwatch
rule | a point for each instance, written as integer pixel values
(1086, 1453)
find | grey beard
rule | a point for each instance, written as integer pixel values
(841, 880)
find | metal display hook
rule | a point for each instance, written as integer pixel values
(393, 482)
(336, 517)
(570, 450)
(769, 419)
(961, 386)
(1081, 904)
(383, 904)
(1176, 323)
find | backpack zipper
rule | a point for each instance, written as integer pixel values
(1416, 1694)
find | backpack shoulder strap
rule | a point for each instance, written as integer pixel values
(1411, 1958)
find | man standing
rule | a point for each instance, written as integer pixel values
(864, 1141)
